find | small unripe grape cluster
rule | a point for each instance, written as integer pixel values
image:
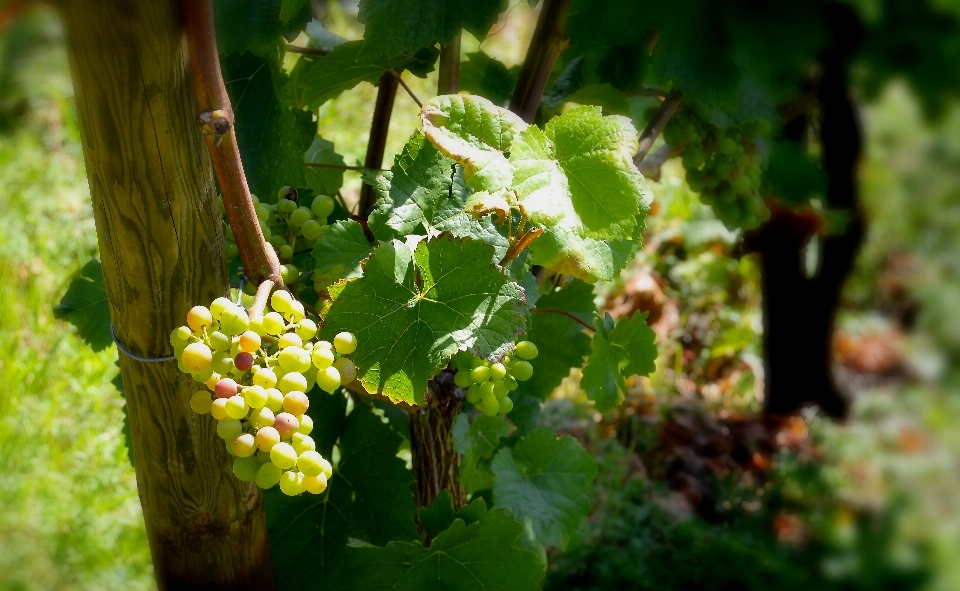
(257, 372)
(723, 165)
(288, 225)
(488, 384)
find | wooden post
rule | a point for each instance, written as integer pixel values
(161, 247)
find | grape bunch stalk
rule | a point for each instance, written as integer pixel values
(257, 372)
(724, 165)
(488, 384)
(289, 226)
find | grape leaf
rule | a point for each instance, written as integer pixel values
(291, 8)
(545, 480)
(248, 25)
(476, 134)
(85, 306)
(404, 26)
(481, 556)
(526, 412)
(425, 193)
(477, 440)
(561, 341)
(268, 134)
(411, 311)
(483, 75)
(370, 488)
(323, 181)
(324, 78)
(440, 515)
(588, 259)
(604, 96)
(117, 382)
(620, 350)
(339, 251)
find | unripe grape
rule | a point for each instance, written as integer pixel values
(245, 468)
(345, 343)
(490, 407)
(285, 251)
(197, 357)
(302, 443)
(266, 438)
(274, 399)
(299, 216)
(180, 365)
(500, 389)
(462, 379)
(511, 383)
(218, 306)
(212, 382)
(268, 475)
(324, 345)
(296, 403)
(347, 370)
(218, 408)
(256, 396)
(289, 339)
(480, 374)
(280, 301)
(219, 341)
(322, 206)
(230, 250)
(288, 193)
(727, 145)
(307, 329)
(522, 370)
(322, 358)
(473, 394)
(306, 425)
(202, 376)
(263, 212)
(237, 407)
(244, 446)
(199, 318)
(291, 483)
(506, 405)
(201, 402)
(234, 321)
(283, 455)
(277, 241)
(326, 467)
(180, 337)
(262, 417)
(249, 341)
(311, 229)
(256, 326)
(292, 381)
(265, 230)
(243, 361)
(328, 379)
(315, 484)
(526, 350)
(486, 391)
(497, 372)
(226, 388)
(228, 428)
(273, 323)
(263, 457)
(296, 312)
(286, 424)
(310, 464)
(265, 377)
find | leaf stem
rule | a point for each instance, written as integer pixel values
(523, 242)
(657, 123)
(562, 313)
(305, 50)
(215, 117)
(448, 81)
(408, 90)
(547, 43)
(379, 128)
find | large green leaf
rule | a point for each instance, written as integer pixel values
(476, 440)
(338, 252)
(323, 181)
(404, 26)
(412, 310)
(424, 193)
(619, 351)
(589, 259)
(85, 306)
(368, 497)
(545, 480)
(482, 556)
(475, 133)
(324, 78)
(248, 25)
(268, 130)
(440, 515)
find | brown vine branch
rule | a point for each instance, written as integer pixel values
(215, 116)
(448, 80)
(546, 45)
(342, 166)
(379, 127)
(562, 313)
(406, 88)
(651, 166)
(305, 50)
(657, 123)
(432, 449)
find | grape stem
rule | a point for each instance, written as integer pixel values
(563, 313)
(260, 300)
(521, 243)
(657, 123)
(379, 127)
(215, 118)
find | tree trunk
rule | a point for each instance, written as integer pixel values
(158, 226)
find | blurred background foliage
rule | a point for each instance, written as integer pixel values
(695, 490)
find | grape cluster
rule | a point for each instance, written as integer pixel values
(723, 165)
(488, 384)
(288, 226)
(257, 372)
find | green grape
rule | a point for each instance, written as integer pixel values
(286, 206)
(262, 417)
(285, 251)
(218, 306)
(256, 396)
(672, 135)
(199, 318)
(180, 337)
(268, 476)
(311, 229)
(296, 312)
(292, 381)
(287, 192)
(462, 379)
(265, 377)
(266, 438)
(328, 379)
(511, 383)
(197, 357)
(345, 343)
(347, 370)
(497, 372)
(202, 376)
(280, 301)
(201, 401)
(486, 390)
(322, 206)
(473, 394)
(273, 323)
(237, 407)
(480, 374)
(243, 445)
(315, 484)
(322, 358)
(299, 216)
(256, 326)
(324, 345)
(263, 457)
(526, 350)
(326, 467)
(274, 399)
(219, 341)
(277, 242)
(283, 456)
(306, 425)
(302, 443)
(289, 273)
(506, 405)
(234, 321)
(307, 329)
(291, 483)
(500, 389)
(289, 339)
(521, 370)
(228, 428)
(230, 250)
(245, 468)
(265, 230)
(490, 406)
(218, 408)
(310, 464)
